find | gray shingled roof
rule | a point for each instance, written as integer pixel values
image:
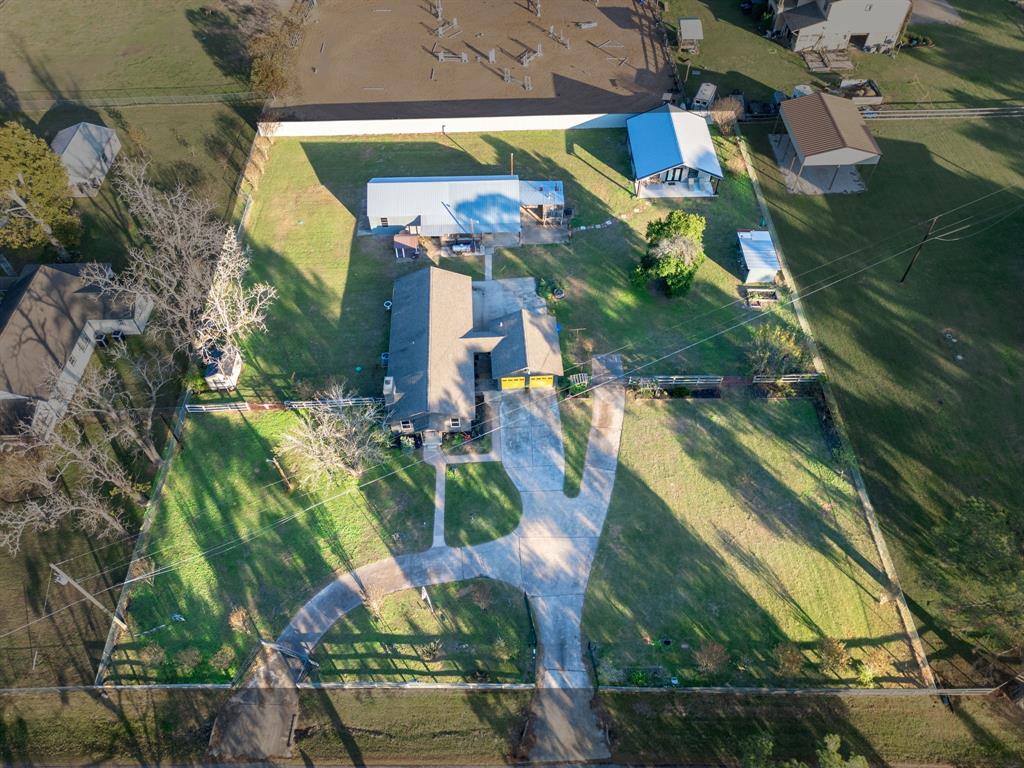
(429, 360)
(529, 345)
(41, 317)
(87, 151)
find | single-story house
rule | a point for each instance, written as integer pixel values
(690, 32)
(433, 357)
(672, 154)
(87, 151)
(760, 258)
(832, 25)
(50, 318)
(827, 133)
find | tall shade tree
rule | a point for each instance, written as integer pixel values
(191, 269)
(35, 203)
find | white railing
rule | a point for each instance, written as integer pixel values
(789, 378)
(696, 380)
(237, 405)
(339, 403)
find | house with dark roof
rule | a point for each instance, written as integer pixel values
(436, 351)
(87, 151)
(832, 25)
(826, 135)
(51, 318)
(672, 154)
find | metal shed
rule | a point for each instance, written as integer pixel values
(437, 206)
(759, 256)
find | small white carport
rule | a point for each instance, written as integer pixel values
(759, 256)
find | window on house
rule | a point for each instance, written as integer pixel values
(383, 221)
(72, 360)
(456, 423)
(407, 426)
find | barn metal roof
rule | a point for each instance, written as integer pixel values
(690, 28)
(541, 193)
(447, 205)
(759, 255)
(666, 137)
(821, 123)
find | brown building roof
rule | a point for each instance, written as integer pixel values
(820, 123)
(42, 315)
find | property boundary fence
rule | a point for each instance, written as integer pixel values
(789, 378)
(115, 99)
(343, 402)
(237, 405)
(121, 610)
(682, 380)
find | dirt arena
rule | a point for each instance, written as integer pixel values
(367, 59)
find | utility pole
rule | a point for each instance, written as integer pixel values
(917, 253)
(63, 578)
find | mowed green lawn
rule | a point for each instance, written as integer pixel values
(232, 537)
(476, 631)
(119, 47)
(329, 321)
(933, 420)
(974, 64)
(729, 523)
(481, 503)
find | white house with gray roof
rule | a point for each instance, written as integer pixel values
(831, 25)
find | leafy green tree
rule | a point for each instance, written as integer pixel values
(829, 756)
(35, 203)
(675, 251)
(756, 751)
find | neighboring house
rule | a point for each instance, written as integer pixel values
(827, 132)
(50, 317)
(436, 352)
(455, 207)
(831, 25)
(87, 152)
(672, 154)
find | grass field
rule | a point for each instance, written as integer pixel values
(729, 523)
(481, 503)
(930, 428)
(976, 64)
(120, 48)
(337, 727)
(333, 284)
(575, 414)
(237, 538)
(699, 729)
(473, 631)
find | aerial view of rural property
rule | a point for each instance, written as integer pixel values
(512, 382)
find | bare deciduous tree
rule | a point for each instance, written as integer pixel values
(187, 260)
(126, 419)
(335, 441)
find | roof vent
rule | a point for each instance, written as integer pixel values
(389, 386)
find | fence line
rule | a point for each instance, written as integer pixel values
(343, 402)
(789, 378)
(682, 380)
(238, 405)
(121, 610)
(241, 97)
(866, 692)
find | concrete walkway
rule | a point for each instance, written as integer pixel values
(549, 556)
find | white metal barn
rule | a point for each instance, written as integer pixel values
(759, 256)
(87, 151)
(444, 206)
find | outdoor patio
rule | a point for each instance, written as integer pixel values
(813, 180)
(676, 189)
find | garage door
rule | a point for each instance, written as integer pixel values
(542, 381)
(513, 382)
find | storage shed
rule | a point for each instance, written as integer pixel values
(672, 154)
(759, 256)
(87, 151)
(691, 33)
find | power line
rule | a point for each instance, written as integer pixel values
(628, 344)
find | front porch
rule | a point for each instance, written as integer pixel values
(676, 189)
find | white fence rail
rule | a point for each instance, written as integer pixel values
(238, 405)
(443, 125)
(341, 403)
(675, 381)
(789, 378)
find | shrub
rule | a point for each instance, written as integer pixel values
(186, 660)
(788, 659)
(223, 659)
(238, 619)
(711, 658)
(833, 658)
(153, 655)
(777, 350)
(726, 112)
